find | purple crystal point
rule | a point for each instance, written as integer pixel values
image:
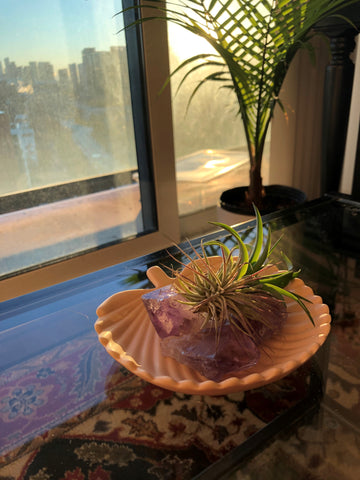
(216, 360)
(167, 314)
(182, 337)
(266, 313)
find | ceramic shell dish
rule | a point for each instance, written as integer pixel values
(125, 330)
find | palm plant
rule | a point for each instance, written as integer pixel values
(254, 42)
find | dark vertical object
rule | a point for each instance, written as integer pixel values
(337, 95)
(356, 180)
(136, 67)
(337, 99)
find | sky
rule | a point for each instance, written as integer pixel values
(57, 30)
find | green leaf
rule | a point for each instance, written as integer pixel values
(281, 279)
(255, 254)
(264, 254)
(291, 295)
(287, 261)
(243, 253)
(256, 42)
(221, 245)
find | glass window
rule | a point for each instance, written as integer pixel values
(65, 94)
(210, 145)
(75, 150)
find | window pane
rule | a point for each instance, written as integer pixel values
(67, 132)
(210, 146)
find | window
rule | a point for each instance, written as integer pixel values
(210, 145)
(215, 157)
(75, 138)
(65, 95)
(87, 144)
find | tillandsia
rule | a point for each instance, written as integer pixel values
(244, 290)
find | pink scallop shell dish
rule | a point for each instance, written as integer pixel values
(183, 338)
(138, 329)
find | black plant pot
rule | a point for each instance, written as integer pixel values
(276, 198)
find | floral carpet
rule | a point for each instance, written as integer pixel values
(73, 413)
(328, 448)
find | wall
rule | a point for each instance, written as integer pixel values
(295, 154)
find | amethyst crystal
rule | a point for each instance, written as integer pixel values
(182, 337)
(168, 315)
(214, 359)
(265, 312)
(216, 356)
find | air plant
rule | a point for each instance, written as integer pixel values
(244, 290)
(219, 310)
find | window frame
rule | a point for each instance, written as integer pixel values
(155, 68)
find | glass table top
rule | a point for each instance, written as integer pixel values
(69, 411)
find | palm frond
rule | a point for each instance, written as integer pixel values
(254, 40)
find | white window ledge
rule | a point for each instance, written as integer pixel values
(33, 238)
(41, 234)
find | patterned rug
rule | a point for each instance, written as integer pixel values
(135, 429)
(114, 425)
(329, 447)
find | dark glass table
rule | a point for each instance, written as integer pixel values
(69, 411)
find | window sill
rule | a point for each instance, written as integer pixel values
(40, 245)
(41, 234)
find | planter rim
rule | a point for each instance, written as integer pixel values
(283, 196)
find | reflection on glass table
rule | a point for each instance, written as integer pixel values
(68, 410)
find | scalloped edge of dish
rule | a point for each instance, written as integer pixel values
(121, 315)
